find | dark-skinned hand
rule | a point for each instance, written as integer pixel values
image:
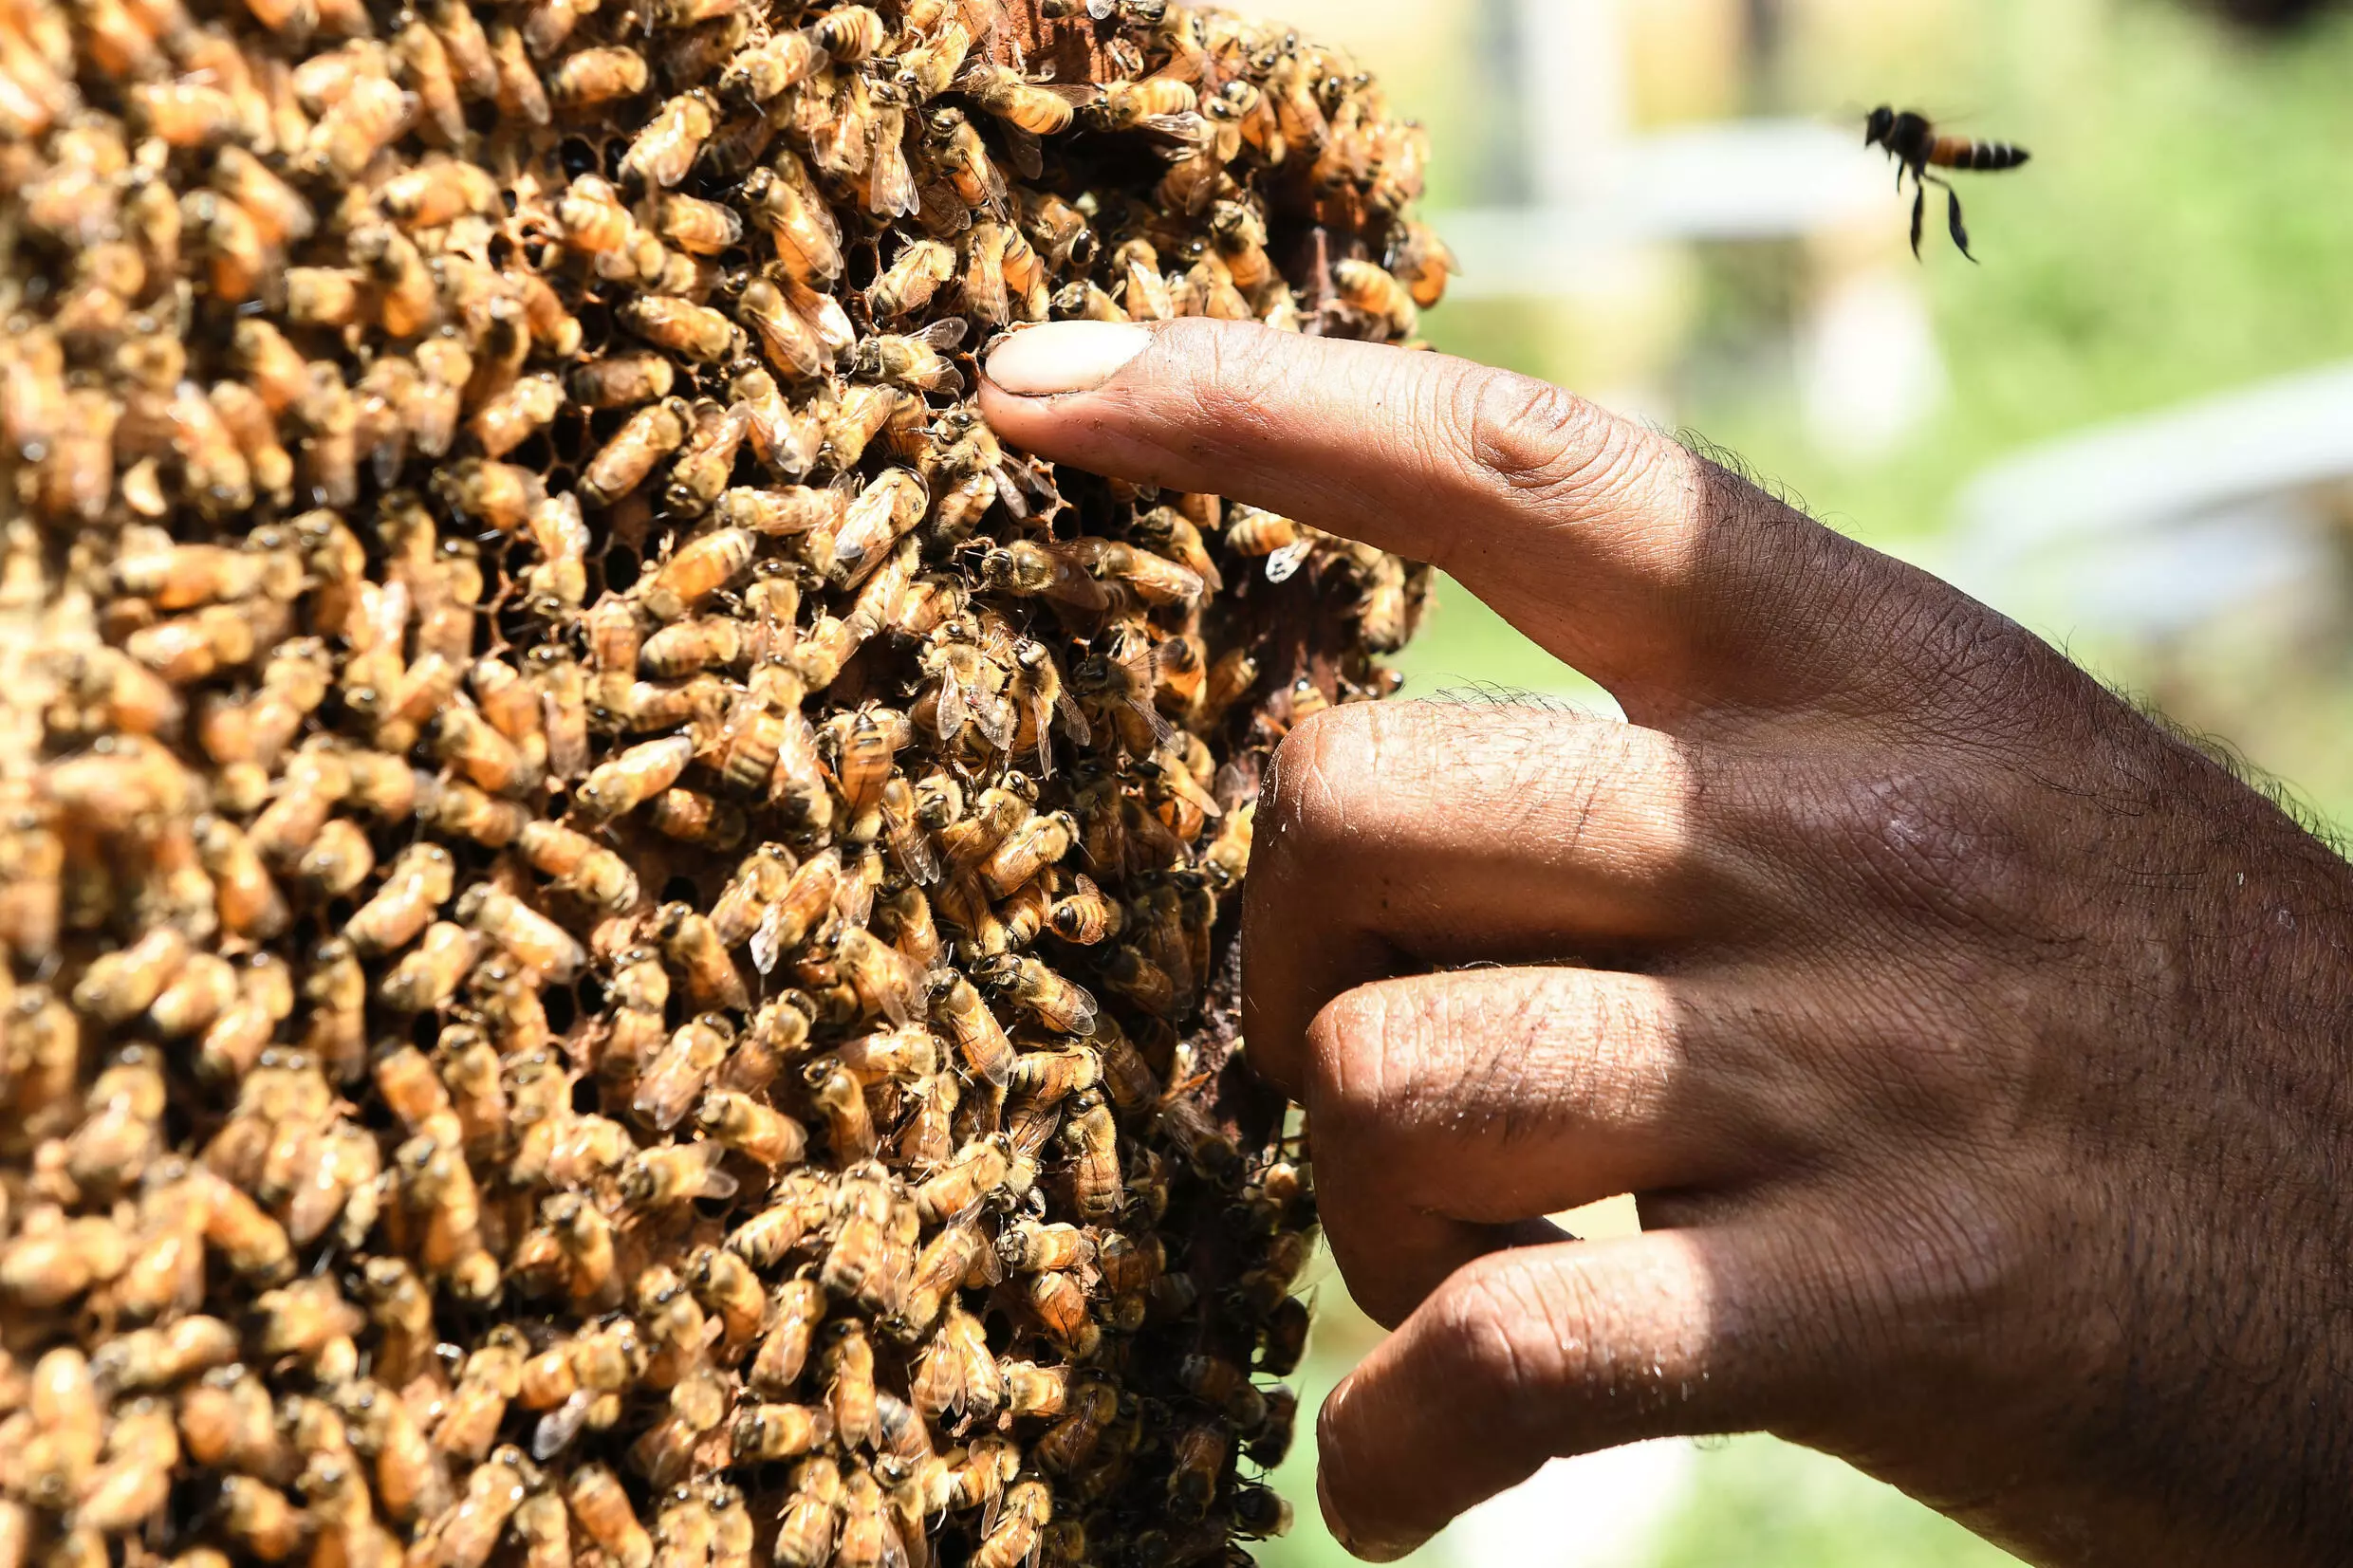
(1980, 1055)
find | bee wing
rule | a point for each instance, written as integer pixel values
(1181, 781)
(1074, 584)
(1191, 133)
(997, 721)
(1079, 96)
(917, 857)
(1024, 151)
(944, 335)
(1074, 719)
(853, 898)
(953, 709)
(765, 939)
(1163, 732)
(1283, 565)
(557, 1429)
(1016, 504)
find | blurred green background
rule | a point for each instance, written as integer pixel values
(2184, 232)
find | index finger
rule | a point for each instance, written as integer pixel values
(1662, 576)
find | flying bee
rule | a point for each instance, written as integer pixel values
(1913, 142)
(915, 361)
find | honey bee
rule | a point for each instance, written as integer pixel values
(620, 380)
(1913, 142)
(681, 326)
(909, 283)
(1093, 1140)
(429, 974)
(784, 200)
(664, 152)
(1029, 1507)
(596, 1499)
(530, 936)
(650, 434)
(795, 1310)
(771, 67)
(692, 946)
(1054, 1002)
(802, 1204)
(979, 1039)
(616, 787)
(695, 571)
(805, 1535)
(670, 1083)
(1029, 106)
(917, 360)
(693, 817)
(416, 884)
(841, 1100)
(1031, 569)
(586, 78)
(768, 1432)
(708, 460)
(675, 1174)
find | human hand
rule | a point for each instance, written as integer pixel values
(1975, 1049)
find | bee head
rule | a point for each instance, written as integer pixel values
(1880, 125)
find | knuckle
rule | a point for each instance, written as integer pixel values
(1532, 439)
(1489, 1313)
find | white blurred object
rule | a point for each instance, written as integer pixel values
(1868, 371)
(2150, 525)
(1603, 1510)
(1732, 181)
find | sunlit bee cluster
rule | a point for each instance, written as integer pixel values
(618, 924)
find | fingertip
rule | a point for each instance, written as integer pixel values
(1059, 358)
(1363, 1541)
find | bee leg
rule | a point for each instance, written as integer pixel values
(1919, 213)
(1961, 230)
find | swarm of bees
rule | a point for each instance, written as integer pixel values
(616, 927)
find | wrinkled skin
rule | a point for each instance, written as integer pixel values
(1973, 1045)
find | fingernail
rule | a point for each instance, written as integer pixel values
(1065, 357)
(1356, 1545)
